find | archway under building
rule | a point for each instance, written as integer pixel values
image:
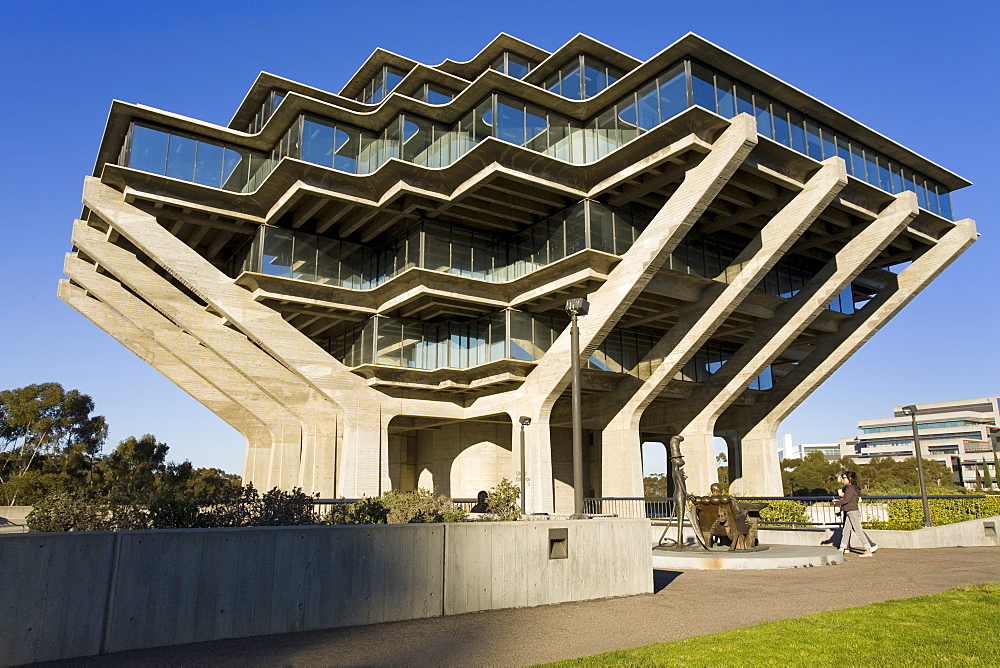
(453, 458)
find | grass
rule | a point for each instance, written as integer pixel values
(959, 627)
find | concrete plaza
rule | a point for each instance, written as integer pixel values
(684, 604)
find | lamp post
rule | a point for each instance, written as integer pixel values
(525, 421)
(575, 308)
(912, 412)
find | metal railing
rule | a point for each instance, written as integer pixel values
(810, 512)
(323, 506)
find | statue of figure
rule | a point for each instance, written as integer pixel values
(680, 487)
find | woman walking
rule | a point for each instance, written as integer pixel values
(848, 503)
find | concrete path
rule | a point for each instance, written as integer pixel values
(685, 604)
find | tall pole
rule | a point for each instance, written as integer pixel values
(577, 421)
(912, 411)
(525, 421)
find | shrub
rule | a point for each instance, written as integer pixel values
(783, 511)
(395, 507)
(503, 502)
(82, 512)
(908, 514)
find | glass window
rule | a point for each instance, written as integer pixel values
(627, 120)
(796, 125)
(871, 168)
(829, 144)
(576, 236)
(844, 151)
(392, 79)
(744, 101)
(673, 92)
(814, 144)
(944, 199)
(437, 251)
(762, 109)
(726, 96)
(208, 165)
(858, 161)
(516, 66)
(304, 252)
(434, 94)
(483, 121)
(148, 152)
(932, 198)
(602, 234)
(521, 346)
(535, 126)
(572, 86)
(648, 107)
(703, 86)
(277, 253)
(347, 144)
(595, 77)
(317, 143)
(510, 120)
(235, 169)
(782, 132)
(389, 341)
(180, 157)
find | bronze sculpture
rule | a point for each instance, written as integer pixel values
(710, 516)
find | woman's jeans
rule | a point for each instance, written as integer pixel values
(853, 522)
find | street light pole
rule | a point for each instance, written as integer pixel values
(577, 307)
(912, 412)
(525, 421)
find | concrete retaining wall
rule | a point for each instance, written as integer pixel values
(78, 594)
(12, 518)
(974, 533)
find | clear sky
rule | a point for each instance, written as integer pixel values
(923, 73)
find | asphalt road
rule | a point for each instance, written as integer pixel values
(684, 604)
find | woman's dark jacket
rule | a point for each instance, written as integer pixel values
(852, 494)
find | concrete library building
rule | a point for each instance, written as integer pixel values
(371, 285)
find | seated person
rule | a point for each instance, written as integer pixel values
(481, 506)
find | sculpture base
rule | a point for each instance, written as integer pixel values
(763, 557)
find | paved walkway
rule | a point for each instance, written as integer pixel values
(685, 604)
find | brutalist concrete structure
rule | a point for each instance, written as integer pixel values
(370, 285)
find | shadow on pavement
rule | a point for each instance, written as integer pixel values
(662, 579)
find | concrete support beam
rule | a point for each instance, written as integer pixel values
(315, 436)
(699, 414)
(758, 423)
(697, 323)
(144, 346)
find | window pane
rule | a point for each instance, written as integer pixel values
(829, 144)
(627, 120)
(781, 129)
(797, 127)
(149, 150)
(392, 79)
(602, 235)
(744, 101)
(726, 96)
(437, 95)
(317, 143)
(762, 109)
(871, 168)
(347, 144)
(945, 201)
(517, 66)
(437, 253)
(235, 169)
(594, 79)
(208, 166)
(814, 145)
(649, 112)
(535, 126)
(575, 233)
(180, 157)
(703, 86)
(277, 253)
(389, 342)
(571, 84)
(304, 257)
(510, 120)
(858, 161)
(844, 151)
(673, 92)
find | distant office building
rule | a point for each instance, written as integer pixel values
(960, 434)
(830, 451)
(370, 285)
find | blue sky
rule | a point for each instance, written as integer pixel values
(920, 74)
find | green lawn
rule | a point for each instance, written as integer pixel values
(958, 627)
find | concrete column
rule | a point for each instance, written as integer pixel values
(537, 460)
(700, 466)
(621, 460)
(760, 468)
(254, 430)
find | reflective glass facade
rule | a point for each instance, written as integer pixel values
(430, 245)
(512, 65)
(582, 77)
(685, 84)
(508, 334)
(381, 85)
(267, 109)
(924, 425)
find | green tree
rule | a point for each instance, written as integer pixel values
(655, 485)
(812, 475)
(723, 469)
(131, 470)
(44, 418)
